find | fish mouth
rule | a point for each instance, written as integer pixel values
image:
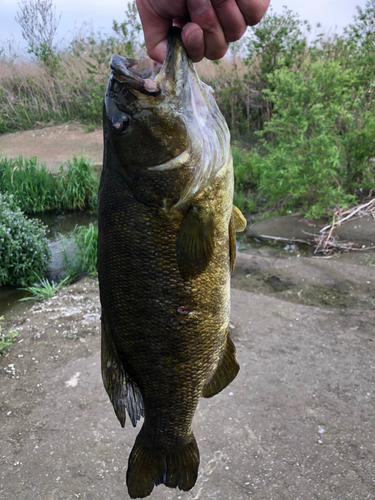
(138, 74)
(151, 78)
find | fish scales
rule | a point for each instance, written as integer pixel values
(165, 254)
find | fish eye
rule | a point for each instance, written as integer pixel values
(120, 122)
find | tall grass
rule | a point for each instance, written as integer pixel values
(39, 190)
(80, 251)
(33, 93)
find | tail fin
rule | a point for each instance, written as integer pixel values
(149, 466)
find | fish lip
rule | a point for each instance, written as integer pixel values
(122, 73)
(171, 78)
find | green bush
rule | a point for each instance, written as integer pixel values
(246, 178)
(306, 141)
(24, 248)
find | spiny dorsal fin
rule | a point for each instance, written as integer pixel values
(195, 242)
(226, 371)
(239, 220)
(122, 391)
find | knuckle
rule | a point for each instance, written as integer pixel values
(218, 53)
(233, 36)
(253, 19)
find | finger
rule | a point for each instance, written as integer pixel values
(253, 10)
(202, 13)
(155, 29)
(231, 19)
(193, 40)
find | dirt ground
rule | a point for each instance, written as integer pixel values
(296, 424)
(54, 145)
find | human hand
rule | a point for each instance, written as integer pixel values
(207, 26)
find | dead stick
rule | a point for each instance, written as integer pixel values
(348, 217)
(278, 238)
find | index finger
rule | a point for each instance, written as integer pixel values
(155, 29)
(253, 10)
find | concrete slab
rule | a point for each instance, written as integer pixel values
(360, 230)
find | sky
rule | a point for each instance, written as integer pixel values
(332, 14)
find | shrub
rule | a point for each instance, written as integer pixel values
(246, 178)
(24, 248)
(305, 164)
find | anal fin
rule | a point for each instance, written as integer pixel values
(122, 391)
(225, 372)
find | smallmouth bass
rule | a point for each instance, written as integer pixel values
(166, 248)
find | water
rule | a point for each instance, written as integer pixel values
(59, 224)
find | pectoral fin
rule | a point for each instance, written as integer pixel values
(237, 223)
(239, 220)
(225, 372)
(195, 242)
(122, 391)
(232, 244)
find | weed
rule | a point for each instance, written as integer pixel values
(369, 260)
(302, 107)
(84, 258)
(43, 289)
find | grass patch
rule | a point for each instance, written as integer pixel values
(6, 339)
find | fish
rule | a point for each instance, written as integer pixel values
(166, 249)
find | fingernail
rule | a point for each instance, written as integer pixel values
(196, 7)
